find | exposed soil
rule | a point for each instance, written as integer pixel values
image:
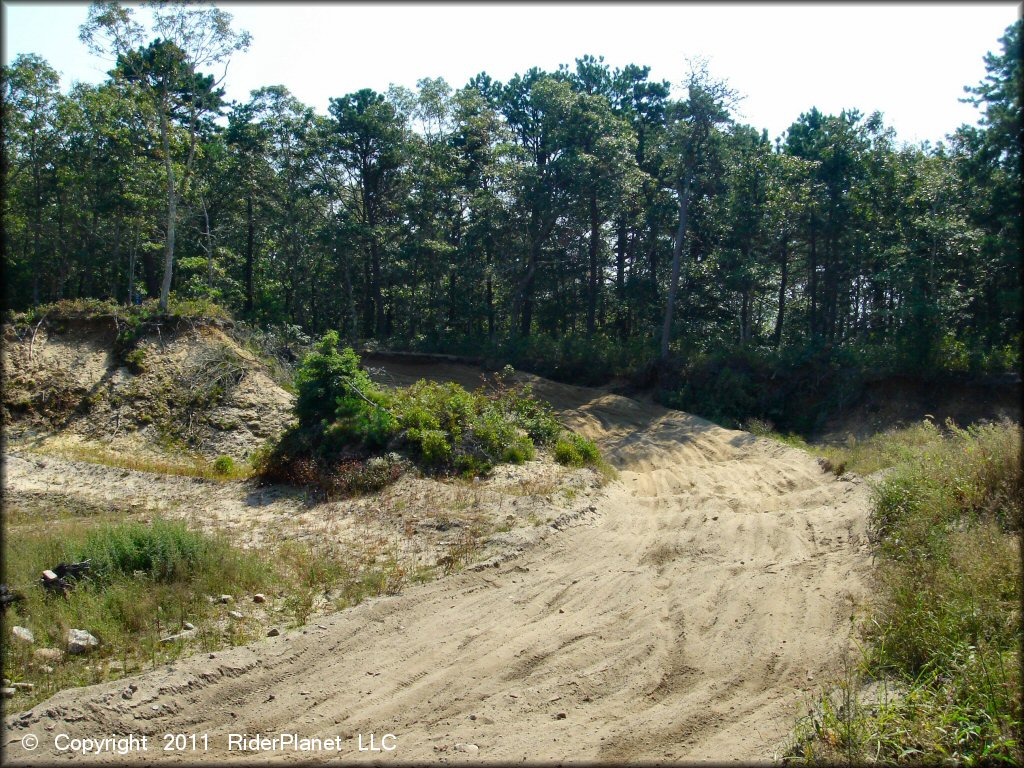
(900, 401)
(680, 613)
(197, 391)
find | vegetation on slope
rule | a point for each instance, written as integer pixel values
(350, 432)
(943, 635)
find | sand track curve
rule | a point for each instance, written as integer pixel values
(682, 622)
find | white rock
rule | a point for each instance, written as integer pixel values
(186, 635)
(24, 634)
(24, 686)
(80, 641)
(467, 748)
(235, 614)
(225, 599)
(8, 692)
(188, 626)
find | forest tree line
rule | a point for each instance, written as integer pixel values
(588, 203)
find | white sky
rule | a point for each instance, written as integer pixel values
(908, 61)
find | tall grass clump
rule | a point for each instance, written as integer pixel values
(347, 426)
(945, 630)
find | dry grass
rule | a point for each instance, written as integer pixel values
(186, 466)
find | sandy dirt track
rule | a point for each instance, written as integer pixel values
(681, 622)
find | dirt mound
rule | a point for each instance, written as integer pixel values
(899, 401)
(184, 386)
(684, 618)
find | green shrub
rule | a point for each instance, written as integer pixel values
(162, 550)
(223, 465)
(576, 451)
(944, 629)
(345, 418)
(332, 386)
(433, 445)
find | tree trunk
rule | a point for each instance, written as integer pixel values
(250, 256)
(812, 280)
(621, 312)
(744, 315)
(784, 268)
(172, 213)
(592, 284)
(131, 266)
(677, 252)
(115, 257)
(209, 247)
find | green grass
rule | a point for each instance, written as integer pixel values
(943, 634)
(149, 578)
(885, 449)
(576, 451)
(879, 451)
(146, 580)
(763, 428)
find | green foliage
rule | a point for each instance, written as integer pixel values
(145, 582)
(163, 551)
(945, 631)
(794, 389)
(836, 241)
(332, 386)
(344, 419)
(884, 449)
(576, 451)
(224, 465)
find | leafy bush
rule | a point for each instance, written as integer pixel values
(223, 465)
(344, 419)
(331, 385)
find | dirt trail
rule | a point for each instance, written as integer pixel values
(682, 622)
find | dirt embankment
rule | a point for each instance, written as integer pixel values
(898, 401)
(185, 387)
(683, 618)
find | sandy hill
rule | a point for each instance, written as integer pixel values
(184, 385)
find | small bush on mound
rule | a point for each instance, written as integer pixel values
(345, 423)
(576, 451)
(223, 465)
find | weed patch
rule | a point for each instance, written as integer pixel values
(945, 629)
